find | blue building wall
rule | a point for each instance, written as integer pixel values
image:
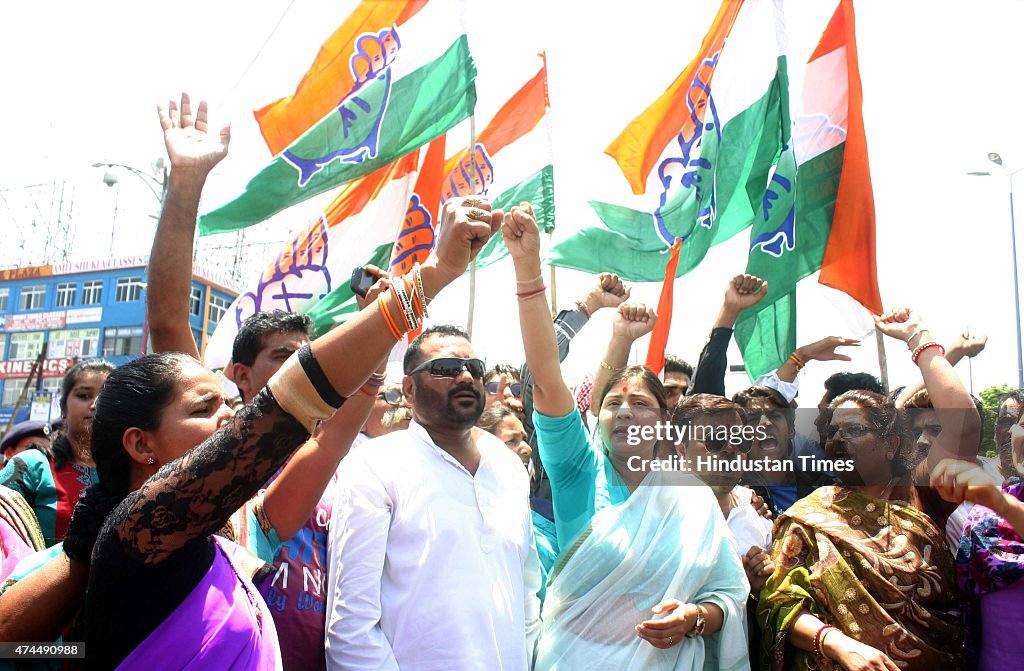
(126, 318)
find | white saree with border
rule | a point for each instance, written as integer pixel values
(669, 540)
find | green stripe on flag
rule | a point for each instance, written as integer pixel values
(539, 190)
(374, 126)
(737, 165)
(766, 333)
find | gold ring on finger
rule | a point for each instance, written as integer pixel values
(471, 202)
(478, 215)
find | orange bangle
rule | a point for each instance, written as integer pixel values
(395, 332)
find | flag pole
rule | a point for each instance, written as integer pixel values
(554, 299)
(550, 136)
(472, 264)
(883, 363)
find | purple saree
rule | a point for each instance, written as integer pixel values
(222, 624)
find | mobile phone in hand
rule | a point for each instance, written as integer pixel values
(361, 281)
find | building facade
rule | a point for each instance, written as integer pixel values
(84, 310)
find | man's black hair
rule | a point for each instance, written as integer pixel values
(1014, 394)
(503, 369)
(414, 355)
(249, 340)
(674, 364)
(840, 383)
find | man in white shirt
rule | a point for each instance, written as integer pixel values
(432, 560)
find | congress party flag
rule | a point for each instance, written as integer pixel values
(346, 61)
(513, 129)
(818, 209)
(516, 127)
(704, 149)
(318, 262)
(396, 112)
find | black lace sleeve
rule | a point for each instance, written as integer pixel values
(195, 495)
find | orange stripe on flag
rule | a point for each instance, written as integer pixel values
(330, 78)
(416, 238)
(659, 336)
(639, 145)
(849, 262)
(517, 117)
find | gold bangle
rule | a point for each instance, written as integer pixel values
(604, 364)
(535, 279)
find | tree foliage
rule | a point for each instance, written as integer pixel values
(990, 398)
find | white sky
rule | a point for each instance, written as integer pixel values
(940, 87)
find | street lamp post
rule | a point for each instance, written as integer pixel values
(151, 181)
(998, 160)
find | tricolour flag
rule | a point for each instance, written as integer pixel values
(516, 126)
(513, 129)
(318, 261)
(818, 209)
(713, 137)
(387, 219)
(395, 112)
(346, 61)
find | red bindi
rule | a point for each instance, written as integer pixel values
(625, 388)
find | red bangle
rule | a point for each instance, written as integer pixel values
(534, 292)
(928, 345)
(817, 640)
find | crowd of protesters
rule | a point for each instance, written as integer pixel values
(460, 517)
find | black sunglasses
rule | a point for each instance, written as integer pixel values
(451, 367)
(516, 387)
(717, 445)
(391, 395)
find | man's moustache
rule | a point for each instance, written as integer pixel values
(465, 388)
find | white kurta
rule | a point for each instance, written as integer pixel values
(431, 568)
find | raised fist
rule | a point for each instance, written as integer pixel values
(633, 320)
(744, 291)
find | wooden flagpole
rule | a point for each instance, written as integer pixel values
(883, 363)
(550, 133)
(472, 264)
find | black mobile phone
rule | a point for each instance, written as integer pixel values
(361, 281)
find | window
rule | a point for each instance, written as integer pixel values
(66, 294)
(4, 295)
(70, 343)
(122, 341)
(25, 346)
(32, 297)
(12, 392)
(92, 292)
(52, 385)
(196, 304)
(128, 289)
(218, 306)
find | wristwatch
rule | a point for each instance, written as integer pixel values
(698, 626)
